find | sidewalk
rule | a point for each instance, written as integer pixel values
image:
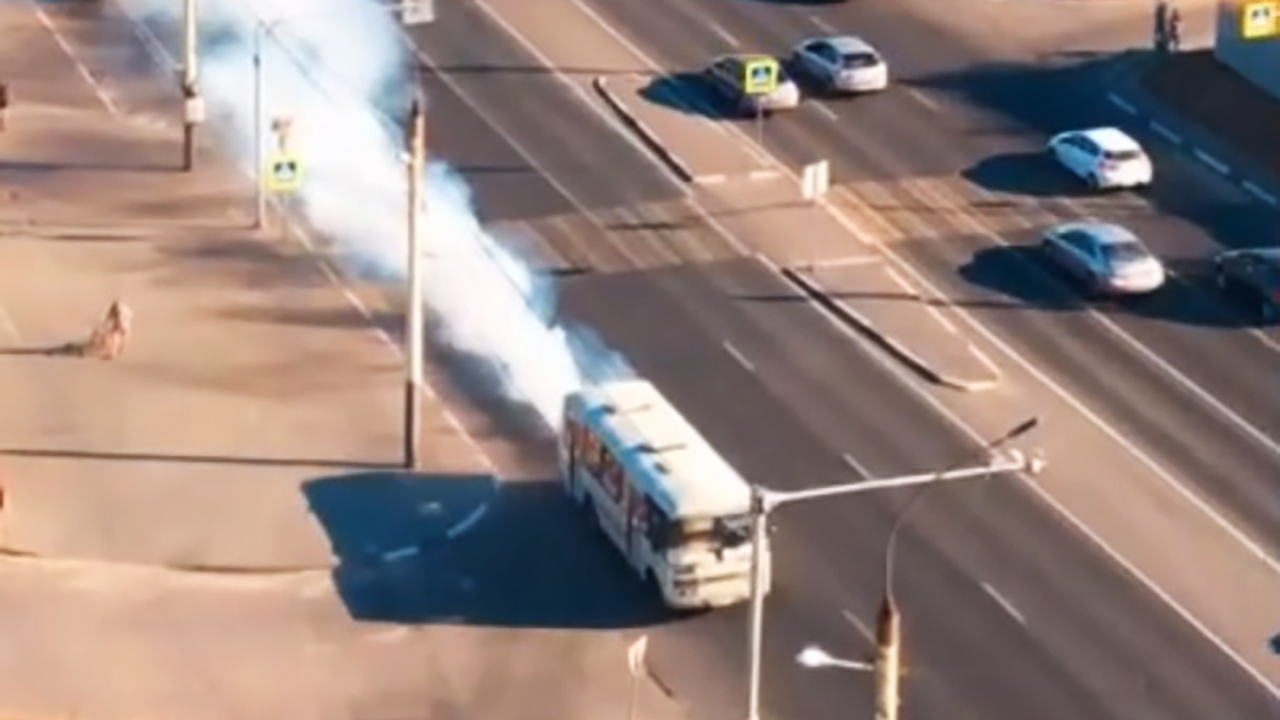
(248, 373)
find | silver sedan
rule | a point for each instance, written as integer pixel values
(845, 64)
(1106, 257)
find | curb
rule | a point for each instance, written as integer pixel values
(649, 137)
(1207, 159)
(17, 555)
(863, 324)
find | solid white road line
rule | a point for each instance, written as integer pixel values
(103, 96)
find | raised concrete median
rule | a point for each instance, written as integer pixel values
(869, 295)
(681, 128)
(845, 274)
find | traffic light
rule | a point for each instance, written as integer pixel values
(888, 665)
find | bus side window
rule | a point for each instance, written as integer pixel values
(617, 481)
(637, 505)
(608, 474)
(590, 453)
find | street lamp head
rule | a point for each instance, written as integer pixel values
(814, 657)
(1022, 429)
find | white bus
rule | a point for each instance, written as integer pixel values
(676, 509)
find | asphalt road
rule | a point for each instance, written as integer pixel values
(535, 112)
(1080, 639)
(1184, 374)
(1093, 643)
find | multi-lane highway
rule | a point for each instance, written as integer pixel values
(1008, 611)
(1009, 614)
(947, 166)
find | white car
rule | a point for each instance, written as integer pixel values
(1106, 257)
(846, 64)
(1103, 157)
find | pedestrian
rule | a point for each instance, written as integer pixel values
(108, 339)
(4, 104)
(1175, 30)
(1162, 27)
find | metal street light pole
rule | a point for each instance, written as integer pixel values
(413, 313)
(193, 104)
(259, 182)
(764, 501)
(755, 630)
(887, 665)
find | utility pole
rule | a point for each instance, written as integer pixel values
(888, 664)
(413, 313)
(759, 586)
(192, 103)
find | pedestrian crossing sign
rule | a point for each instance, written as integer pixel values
(1260, 20)
(284, 173)
(760, 76)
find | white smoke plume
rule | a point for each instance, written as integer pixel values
(339, 69)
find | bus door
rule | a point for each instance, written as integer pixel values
(571, 432)
(613, 512)
(638, 546)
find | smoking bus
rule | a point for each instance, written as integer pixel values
(677, 511)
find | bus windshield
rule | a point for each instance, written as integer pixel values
(722, 533)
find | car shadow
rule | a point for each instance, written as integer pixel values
(1071, 93)
(1024, 275)
(1190, 297)
(1033, 174)
(690, 93)
(458, 549)
(1018, 272)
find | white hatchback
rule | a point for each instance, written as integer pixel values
(844, 64)
(1103, 157)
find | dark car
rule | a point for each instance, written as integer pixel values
(728, 72)
(1252, 277)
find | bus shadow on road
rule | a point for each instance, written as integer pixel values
(419, 549)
